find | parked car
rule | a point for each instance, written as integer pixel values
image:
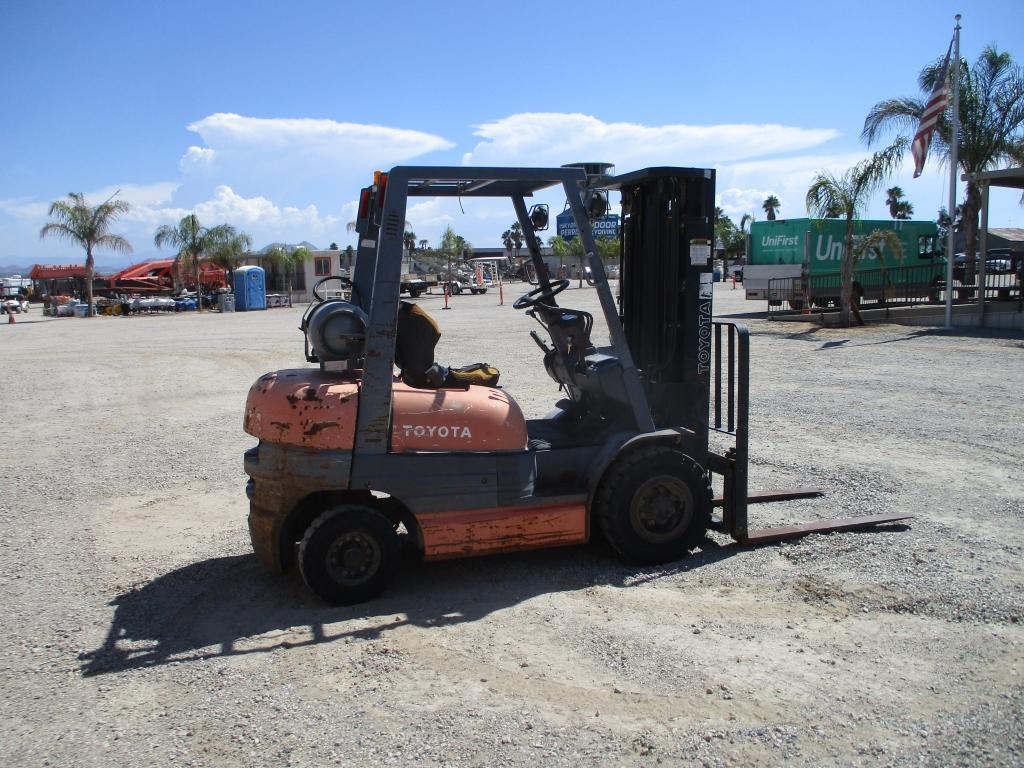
(994, 265)
(14, 304)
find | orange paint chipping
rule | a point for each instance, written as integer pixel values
(309, 408)
(500, 529)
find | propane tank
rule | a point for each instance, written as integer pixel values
(335, 328)
(335, 331)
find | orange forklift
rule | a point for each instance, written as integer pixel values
(357, 460)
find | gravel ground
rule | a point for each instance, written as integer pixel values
(140, 631)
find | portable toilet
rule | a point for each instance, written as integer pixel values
(250, 288)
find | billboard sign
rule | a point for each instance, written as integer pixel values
(606, 226)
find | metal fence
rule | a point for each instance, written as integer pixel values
(896, 286)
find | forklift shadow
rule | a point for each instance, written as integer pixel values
(229, 606)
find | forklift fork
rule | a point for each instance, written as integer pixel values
(731, 383)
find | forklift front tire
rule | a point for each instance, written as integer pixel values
(349, 554)
(654, 504)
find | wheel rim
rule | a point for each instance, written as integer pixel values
(353, 558)
(661, 509)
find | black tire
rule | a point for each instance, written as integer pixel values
(349, 554)
(455, 289)
(654, 504)
(414, 293)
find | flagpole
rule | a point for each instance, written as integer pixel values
(954, 142)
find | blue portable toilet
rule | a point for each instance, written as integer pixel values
(250, 289)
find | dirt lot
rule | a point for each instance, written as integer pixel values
(140, 631)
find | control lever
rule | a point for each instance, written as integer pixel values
(544, 347)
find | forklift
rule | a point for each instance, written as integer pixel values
(356, 463)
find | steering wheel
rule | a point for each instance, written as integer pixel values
(541, 294)
(321, 281)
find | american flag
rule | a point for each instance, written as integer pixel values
(930, 116)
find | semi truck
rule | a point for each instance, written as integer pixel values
(798, 261)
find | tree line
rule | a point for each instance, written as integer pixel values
(991, 119)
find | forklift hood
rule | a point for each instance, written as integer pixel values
(310, 408)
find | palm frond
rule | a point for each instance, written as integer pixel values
(825, 195)
(113, 243)
(61, 230)
(892, 115)
(876, 242)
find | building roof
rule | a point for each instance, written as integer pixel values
(56, 271)
(1013, 234)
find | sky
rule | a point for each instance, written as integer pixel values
(271, 116)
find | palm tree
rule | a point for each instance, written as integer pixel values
(516, 231)
(409, 241)
(771, 206)
(850, 193)
(194, 242)
(288, 261)
(737, 246)
(991, 121)
(899, 208)
(876, 242)
(76, 221)
(230, 245)
(943, 221)
(893, 198)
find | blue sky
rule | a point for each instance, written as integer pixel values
(271, 116)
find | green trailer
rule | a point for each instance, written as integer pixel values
(798, 261)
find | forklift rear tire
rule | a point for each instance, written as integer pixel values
(654, 504)
(349, 554)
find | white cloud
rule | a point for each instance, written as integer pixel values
(540, 139)
(25, 208)
(742, 187)
(136, 194)
(258, 215)
(295, 179)
(196, 158)
(430, 214)
(303, 145)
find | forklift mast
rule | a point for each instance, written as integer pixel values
(666, 289)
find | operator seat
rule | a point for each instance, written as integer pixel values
(416, 336)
